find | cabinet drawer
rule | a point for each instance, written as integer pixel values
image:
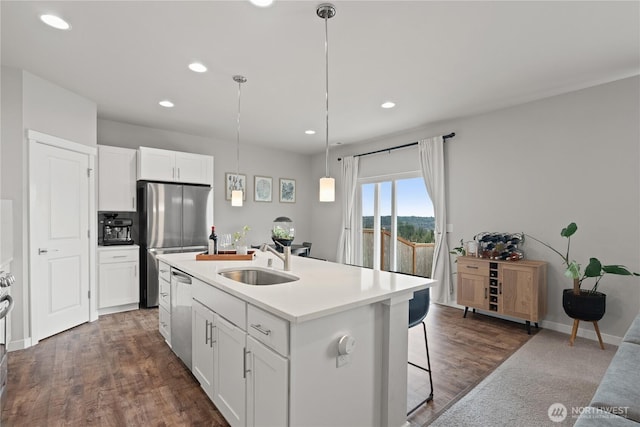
(268, 329)
(119, 255)
(231, 308)
(473, 267)
(164, 295)
(164, 271)
(164, 323)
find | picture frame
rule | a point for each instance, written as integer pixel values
(229, 181)
(262, 188)
(287, 190)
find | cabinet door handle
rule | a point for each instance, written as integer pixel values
(485, 292)
(245, 353)
(206, 332)
(164, 294)
(500, 288)
(178, 173)
(119, 256)
(212, 328)
(173, 173)
(475, 267)
(259, 328)
(163, 271)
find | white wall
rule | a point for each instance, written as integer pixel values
(535, 168)
(29, 102)
(254, 160)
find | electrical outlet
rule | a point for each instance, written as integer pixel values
(343, 359)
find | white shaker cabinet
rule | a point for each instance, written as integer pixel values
(116, 179)
(267, 386)
(155, 164)
(202, 323)
(118, 282)
(164, 309)
(230, 369)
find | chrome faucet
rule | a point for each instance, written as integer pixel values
(285, 257)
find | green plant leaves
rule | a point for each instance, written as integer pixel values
(618, 269)
(594, 269)
(569, 230)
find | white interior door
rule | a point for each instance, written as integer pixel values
(59, 227)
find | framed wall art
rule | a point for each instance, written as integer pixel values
(287, 190)
(262, 188)
(230, 182)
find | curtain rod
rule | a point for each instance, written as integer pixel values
(386, 150)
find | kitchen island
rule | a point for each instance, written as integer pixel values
(327, 349)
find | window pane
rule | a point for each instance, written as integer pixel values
(385, 225)
(368, 191)
(414, 246)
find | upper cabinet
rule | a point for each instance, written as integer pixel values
(116, 179)
(155, 164)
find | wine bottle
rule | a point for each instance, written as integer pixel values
(213, 242)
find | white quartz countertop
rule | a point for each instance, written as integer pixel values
(323, 287)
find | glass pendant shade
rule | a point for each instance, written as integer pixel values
(327, 189)
(236, 198)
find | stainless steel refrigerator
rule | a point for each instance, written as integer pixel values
(173, 218)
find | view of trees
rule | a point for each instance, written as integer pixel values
(417, 229)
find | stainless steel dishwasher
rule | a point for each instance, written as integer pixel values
(181, 315)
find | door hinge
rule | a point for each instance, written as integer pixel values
(89, 234)
(89, 172)
(89, 294)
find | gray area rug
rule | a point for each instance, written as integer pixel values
(543, 372)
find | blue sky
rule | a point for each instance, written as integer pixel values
(412, 198)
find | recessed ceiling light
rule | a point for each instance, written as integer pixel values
(197, 67)
(166, 103)
(55, 22)
(310, 132)
(261, 3)
(388, 104)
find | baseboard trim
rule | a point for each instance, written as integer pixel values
(584, 331)
(19, 344)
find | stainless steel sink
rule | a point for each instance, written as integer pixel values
(257, 276)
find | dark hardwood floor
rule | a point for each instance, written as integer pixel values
(118, 371)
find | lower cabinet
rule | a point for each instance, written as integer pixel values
(243, 372)
(118, 283)
(267, 386)
(202, 346)
(229, 371)
(164, 309)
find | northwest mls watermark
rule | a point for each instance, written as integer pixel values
(557, 412)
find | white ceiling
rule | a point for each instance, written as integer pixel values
(436, 60)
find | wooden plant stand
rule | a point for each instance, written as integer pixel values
(574, 332)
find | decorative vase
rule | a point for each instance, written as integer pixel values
(588, 306)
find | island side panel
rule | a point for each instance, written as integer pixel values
(321, 393)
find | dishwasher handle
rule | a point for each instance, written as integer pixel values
(181, 277)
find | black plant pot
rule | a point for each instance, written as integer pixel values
(588, 306)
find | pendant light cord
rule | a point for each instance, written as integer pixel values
(326, 57)
(238, 138)
(239, 80)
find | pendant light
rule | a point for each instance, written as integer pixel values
(327, 184)
(237, 192)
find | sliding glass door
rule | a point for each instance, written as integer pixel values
(397, 224)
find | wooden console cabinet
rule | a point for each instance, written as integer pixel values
(510, 288)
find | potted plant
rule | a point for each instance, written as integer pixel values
(578, 303)
(240, 240)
